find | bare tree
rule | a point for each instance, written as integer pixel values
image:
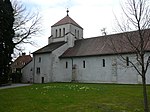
(26, 25)
(137, 14)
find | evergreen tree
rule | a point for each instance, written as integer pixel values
(6, 36)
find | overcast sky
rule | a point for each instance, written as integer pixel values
(91, 15)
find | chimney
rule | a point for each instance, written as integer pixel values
(23, 54)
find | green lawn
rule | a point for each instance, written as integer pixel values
(73, 97)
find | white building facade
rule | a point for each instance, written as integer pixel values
(27, 73)
(102, 69)
(70, 58)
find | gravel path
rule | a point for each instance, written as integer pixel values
(14, 86)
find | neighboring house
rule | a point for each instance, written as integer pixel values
(18, 65)
(27, 73)
(69, 57)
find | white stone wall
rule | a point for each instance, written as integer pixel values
(148, 71)
(45, 68)
(66, 70)
(69, 28)
(115, 70)
(27, 73)
(94, 70)
(58, 72)
(49, 66)
(75, 30)
(53, 29)
(54, 69)
(59, 38)
(126, 74)
(148, 76)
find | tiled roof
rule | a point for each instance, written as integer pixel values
(66, 20)
(21, 61)
(105, 45)
(49, 48)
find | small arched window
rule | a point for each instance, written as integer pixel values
(56, 32)
(39, 59)
(78, 33)
(103, 62)
(127, 61)
(75, 33)
(83, 64)
(63, 31)
(66, 64)
(60, 32)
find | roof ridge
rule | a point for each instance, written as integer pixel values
(114, 34)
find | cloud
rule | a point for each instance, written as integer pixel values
(92, 15)
(50, 3)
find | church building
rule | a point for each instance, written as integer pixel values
(69, 57)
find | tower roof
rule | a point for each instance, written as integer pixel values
(66, 20)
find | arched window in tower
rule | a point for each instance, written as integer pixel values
(78, 33)
(60, 32)
(63, 31)
(56, 32)
(75, 33)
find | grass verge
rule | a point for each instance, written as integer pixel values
(73, 97)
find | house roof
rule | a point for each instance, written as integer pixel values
(66, 20)
(21, 61)
(106, 45)
(49, 48)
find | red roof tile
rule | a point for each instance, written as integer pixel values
(105, 45)
(21, 61)
(49, 48)
(66, 20)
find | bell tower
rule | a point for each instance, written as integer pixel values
(65, 30)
